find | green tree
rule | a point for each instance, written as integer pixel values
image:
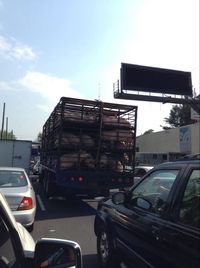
(149, 131)
(39, 137)
(9, 135)
(180, 115)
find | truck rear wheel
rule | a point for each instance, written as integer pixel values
(49, 189)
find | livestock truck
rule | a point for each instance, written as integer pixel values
(87, 146)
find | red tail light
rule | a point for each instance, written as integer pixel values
(80, 179)
(27, 203)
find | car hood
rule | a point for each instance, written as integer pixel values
(27, 241)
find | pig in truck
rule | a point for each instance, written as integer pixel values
(86, 147)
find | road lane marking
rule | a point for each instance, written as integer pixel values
(42, 207)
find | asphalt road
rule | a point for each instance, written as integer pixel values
(67, 219)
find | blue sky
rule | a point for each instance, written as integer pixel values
(55, 48)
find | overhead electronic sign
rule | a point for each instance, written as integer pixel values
(157, 80)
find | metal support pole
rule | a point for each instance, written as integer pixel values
(3, 117)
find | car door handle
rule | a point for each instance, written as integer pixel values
(171, 236)
(156, 232)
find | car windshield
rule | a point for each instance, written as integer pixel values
(12, 179)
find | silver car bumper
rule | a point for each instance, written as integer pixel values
(25, 217)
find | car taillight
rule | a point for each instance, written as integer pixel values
(27, 203)
(80, 179)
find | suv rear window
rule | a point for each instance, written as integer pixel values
(12, 179)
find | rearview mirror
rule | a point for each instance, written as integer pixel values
(57, 253)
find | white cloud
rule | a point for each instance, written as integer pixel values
(10, 48)
(51, 88)
(48, 88)
(1, 4)
(4, 86)
(24, 52)
(4, 45)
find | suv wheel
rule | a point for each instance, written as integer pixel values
(105, 251)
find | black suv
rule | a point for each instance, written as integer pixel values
(154, 224)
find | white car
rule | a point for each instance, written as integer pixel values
(18, 190)
(140, 171)
(18, 249)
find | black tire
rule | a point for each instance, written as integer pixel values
(30, 228)
(4, 263)
(49, 190)
(105, 251)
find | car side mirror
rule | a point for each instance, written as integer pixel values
(143, 203)
(119, 198)
(57, 253)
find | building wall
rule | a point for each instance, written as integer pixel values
(195, 136)
(169, 140)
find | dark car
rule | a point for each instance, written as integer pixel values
(154, 224)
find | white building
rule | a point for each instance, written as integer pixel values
(173, 142)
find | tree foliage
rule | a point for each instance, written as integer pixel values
(39, 137)
(180, 115)
(8, 135)
(149, 131)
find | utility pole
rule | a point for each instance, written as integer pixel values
(6, 128)
(3, 117)
(99, 91)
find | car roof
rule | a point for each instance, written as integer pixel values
(145, 167)
(12, 168)
(179, 162)
(190, 157)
